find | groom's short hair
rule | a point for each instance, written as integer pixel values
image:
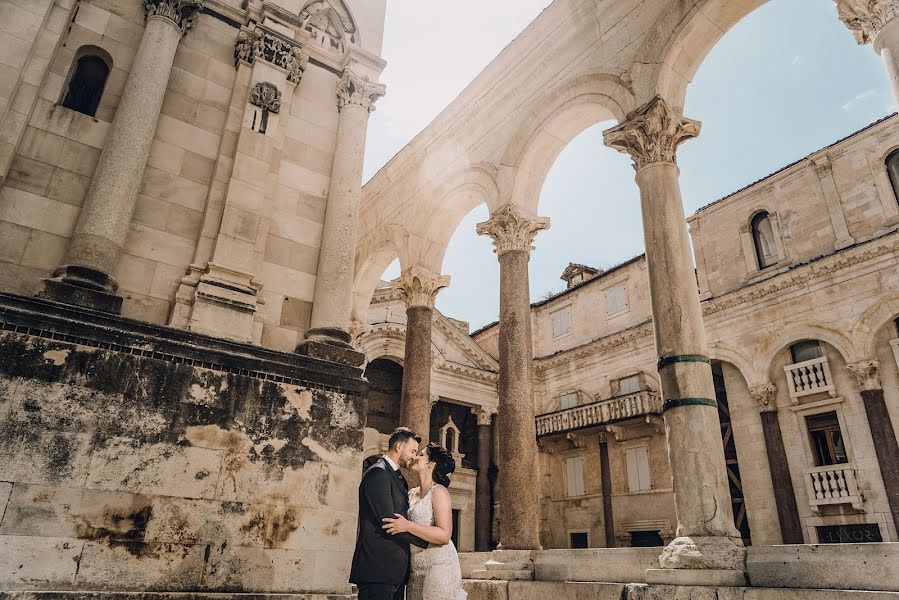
(401, 435)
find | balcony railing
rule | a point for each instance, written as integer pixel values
(809, 377)
(832, 484)
(598, 413)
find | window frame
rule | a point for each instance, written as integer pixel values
(85, 51)
(625, 307)
(636, 376)
(569, 484)
(627, 452)
(585, 532)
(552, 322)
(568, 394)
(761, 259)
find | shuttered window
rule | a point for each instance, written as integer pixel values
(574, 476)
(616, 300)
(638, 469)
(567, 400)
(561, 322)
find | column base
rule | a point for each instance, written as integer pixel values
(704, 552)
(332, 345)
(61, 291)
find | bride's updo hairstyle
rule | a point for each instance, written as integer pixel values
(444, 463)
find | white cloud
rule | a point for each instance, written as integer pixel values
(858, 98)
(796, 60)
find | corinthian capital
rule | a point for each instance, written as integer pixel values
(652, 133)
(511, 229)
(358, 90)
(764, 397)
(866, 18)
(866, 374)
(419, 287)
(183, 13)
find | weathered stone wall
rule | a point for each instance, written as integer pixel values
(135, 457)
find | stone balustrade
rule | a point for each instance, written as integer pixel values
(598, 413)
(809, 377)
(832, 484)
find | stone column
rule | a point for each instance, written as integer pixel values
(706, 536)
(606, 475)
(784, 496)
(513, 233)
(419, 288)
(333, 297)
(483, 501)
(886, 447)
(85, 277)
(874, 22)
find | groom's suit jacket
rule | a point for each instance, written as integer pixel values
(379, 556)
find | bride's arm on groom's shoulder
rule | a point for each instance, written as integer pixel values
(440, 533)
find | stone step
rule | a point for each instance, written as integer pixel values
(507, 575)
(516, 565)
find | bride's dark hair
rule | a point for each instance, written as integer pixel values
(444, 463)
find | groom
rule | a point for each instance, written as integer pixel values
(381, 561)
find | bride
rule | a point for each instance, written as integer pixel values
(435, 573)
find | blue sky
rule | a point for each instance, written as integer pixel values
(763, 105)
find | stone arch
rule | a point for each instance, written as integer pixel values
(872, 320)
(804, 331)
(743, 363)
(372, 259)
(699, 26)
(564, 112)
(336, 14)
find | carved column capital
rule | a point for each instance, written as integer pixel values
(183, 13)
(823, 166)
(433, 399)
(355, 89)
(866, 374)
(867, 18)
(266, 45)
(511, 229)
(764, 396)
(484, 415)
(652, 133)
(419, 287)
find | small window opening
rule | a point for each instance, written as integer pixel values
(763, 238)
(805, 350)
(827, 439)
(86, 85)
(578, 540)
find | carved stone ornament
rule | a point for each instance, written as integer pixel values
(266, 45)
(764, 397)
(484, 416)
(419, 287)
(866, 18)
(184, 13)
(357, 90)
(266, 96)
(866, 374)
(511, 229)
(652, 133)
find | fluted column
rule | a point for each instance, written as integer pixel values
(886, 447)
(419, 288)
(513, 233)
(706, 536)
(332, 300)
(874, 22)
(483, 501)
(784, 496)
(85, 277)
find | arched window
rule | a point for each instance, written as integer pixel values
(763, 238)
(86, 83)
(892, 164)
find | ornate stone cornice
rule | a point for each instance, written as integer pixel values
(604, 344)
(866, 374)
(652, 133)
(266, 45)
(183, 13)
(866, 18)
(357, 90)
(266, 96)
(419, 287)
(764, 396)
(511, 229)
(804, 273)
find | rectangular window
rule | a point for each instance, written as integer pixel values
(568, 400)
(561, 322)
(826, 439)
(574, 474)
(805, 350)
(616, 300)
(638, 469)
(578, 540)
(629, 385)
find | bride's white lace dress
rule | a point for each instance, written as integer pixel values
(435, 571)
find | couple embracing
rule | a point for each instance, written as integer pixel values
(392, 518)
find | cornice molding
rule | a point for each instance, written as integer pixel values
(604, 344)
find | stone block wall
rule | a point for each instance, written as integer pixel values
(135, 457)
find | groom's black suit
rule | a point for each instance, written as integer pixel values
(381, 560)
